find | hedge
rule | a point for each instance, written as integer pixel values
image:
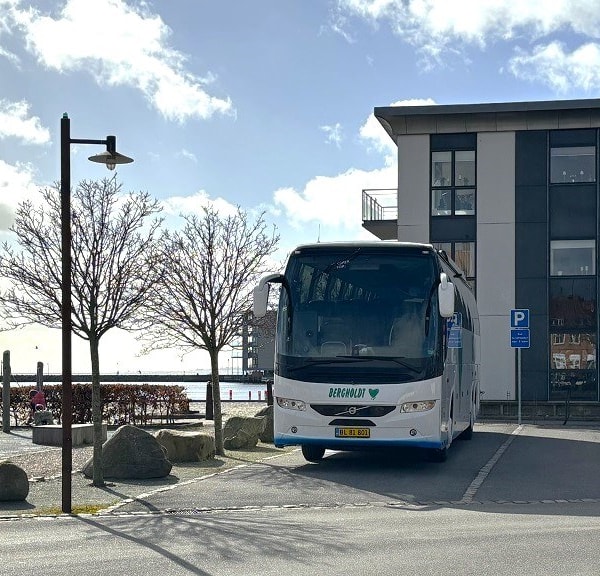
(136, 404)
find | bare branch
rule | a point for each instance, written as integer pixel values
(114, 266)
(208, 272)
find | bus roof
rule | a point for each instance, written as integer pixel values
(391, 244)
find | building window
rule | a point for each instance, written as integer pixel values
(463, 253)
(573, 338)
(573, 366)
(572, 258)
(572, 305)
(573, 351)
(453, 176)
(572, 164)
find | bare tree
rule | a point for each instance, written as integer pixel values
(210, 268)
(113, 267)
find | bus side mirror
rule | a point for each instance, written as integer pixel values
(261, 297)
(261, 294)
(445, 296)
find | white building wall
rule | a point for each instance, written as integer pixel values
(496, 261)
(413, 188)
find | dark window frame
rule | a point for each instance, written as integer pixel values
(453, 189)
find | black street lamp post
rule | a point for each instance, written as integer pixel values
(111, 158)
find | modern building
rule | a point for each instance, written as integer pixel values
(511, 192)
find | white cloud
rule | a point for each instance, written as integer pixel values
(558, 68)
(14, 122)
(176, 205)
(441, 27)
(334, 202)
(120, 44)
(334, 133)
(16, 185)
(189, 155)
(476, 20)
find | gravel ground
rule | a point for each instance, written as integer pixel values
(47, 462)
(44, 466)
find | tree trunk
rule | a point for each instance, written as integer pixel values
(98, 476)
(216, 388)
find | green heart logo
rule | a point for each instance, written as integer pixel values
(373, 392)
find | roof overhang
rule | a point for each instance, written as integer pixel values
(503, 116)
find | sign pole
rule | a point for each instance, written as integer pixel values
(519, 382)
(519, 338)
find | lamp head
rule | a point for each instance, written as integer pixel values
(110, 159)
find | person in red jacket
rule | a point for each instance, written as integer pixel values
(37, 401)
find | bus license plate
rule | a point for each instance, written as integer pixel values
(352, 432)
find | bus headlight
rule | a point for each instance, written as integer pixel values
(291, 404)
(417, 406)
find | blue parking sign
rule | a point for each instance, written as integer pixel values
(519, 338)
(454, 325)
(519, 318)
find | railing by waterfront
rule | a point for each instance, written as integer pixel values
(137, 378)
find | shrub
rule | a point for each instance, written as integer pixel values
(121, 403)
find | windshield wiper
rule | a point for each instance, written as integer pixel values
(329, 361)
(396, 359)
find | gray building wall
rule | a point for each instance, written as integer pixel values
(413, 188)
(518, 213)
(495, 252)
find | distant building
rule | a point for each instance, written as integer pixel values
(510, 191)
(255, 348)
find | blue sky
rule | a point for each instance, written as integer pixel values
(265, 104)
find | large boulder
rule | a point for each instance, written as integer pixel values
(131, 453)
(14, 485)
(267, 433)
(186, 446)
(242, 432)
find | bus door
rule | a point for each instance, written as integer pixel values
(456, 374)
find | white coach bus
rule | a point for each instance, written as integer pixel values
(377, 344)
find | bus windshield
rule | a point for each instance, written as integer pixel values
(359, 314)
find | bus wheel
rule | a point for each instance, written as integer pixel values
(439, 454)
(468, 432)
(312, 453)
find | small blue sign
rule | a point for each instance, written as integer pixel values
(519, 338)
(454, 325)
(519, 318)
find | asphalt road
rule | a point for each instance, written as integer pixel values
(511, 501)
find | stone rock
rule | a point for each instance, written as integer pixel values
(268, 433)
(186, 446)
(42, 418)
(14, 484)
(131, 453)
(242, 432)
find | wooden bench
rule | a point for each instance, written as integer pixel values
(52, 434)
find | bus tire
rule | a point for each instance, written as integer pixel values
(439, 454)
(468, 432)
(313, 453)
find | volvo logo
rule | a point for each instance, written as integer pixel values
(352, 410)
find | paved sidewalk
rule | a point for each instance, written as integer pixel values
(43, 467)
(17, 441)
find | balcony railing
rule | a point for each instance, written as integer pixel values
(379, 204)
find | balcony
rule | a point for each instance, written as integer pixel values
(380, 212)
